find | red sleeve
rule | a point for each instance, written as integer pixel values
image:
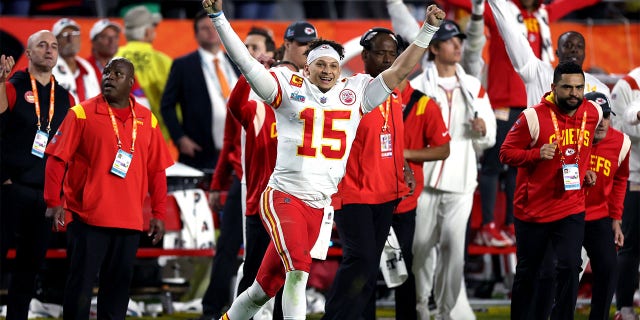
(159, 157)
(560, 8)
(222, 174)
(158, 193)
(53, 175)
(619, 189)
(239, 95)
(514, 150)
(72, 101)
(11, 94)
(436, 131)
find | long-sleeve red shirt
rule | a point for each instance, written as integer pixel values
(540, 195)
(610, 161)
(261, 143)
(229, 158)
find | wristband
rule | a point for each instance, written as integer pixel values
(424, 36)
(215, 14)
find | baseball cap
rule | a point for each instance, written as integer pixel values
(140, 16)
(448, 29)
(100, 25)
(301, 31)
(63, 23)
(601, 99)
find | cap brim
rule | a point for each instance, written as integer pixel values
(304, 39)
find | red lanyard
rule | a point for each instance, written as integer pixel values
(36, 100)
(385, 113)
(134, 132)
(560, 139)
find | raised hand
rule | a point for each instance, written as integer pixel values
(434, 15)
(212, 6)
(6, 64)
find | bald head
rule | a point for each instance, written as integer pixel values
(125, 63)
(37, 36)
(42, 51)
(117, 81)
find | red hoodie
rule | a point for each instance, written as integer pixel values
(540, 195)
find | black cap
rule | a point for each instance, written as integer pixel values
(448, 29)
(601, 99)
(301, 31)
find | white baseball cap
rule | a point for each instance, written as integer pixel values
(63, 23)
(100, 25)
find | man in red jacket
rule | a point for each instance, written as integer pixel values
(550, 144)
(604, 201)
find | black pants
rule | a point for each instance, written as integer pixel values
(533, 239)
(225, 262)
(629, 254)
(598, 242)
(257, 242)
(363, 230)
(490, 172)
(404, 225)
(108, 252)
(23, 223)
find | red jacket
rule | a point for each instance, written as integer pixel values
(540, 195)
(261, 142)
(610, 161)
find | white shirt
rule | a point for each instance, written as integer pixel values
(218, 102)
(67, 80)
(625, 102)
(459, 172)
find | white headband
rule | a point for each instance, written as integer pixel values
(324, 50)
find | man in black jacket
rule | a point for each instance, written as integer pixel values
(32, 106)
(198, 82)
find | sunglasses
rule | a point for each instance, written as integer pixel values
(70, 34)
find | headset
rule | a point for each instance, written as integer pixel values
(365, 40)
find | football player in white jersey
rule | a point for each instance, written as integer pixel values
(317, 115)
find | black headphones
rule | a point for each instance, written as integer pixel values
(365, 40)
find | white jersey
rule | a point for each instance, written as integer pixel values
(625, 102)
(67, 80)
(536, 74)
(315, 133)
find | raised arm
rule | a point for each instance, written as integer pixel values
(402, 21)
(518, 48)
(261, 81)
(6, 64)
(472, 62)
(405, 63)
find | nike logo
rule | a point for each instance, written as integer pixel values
(444, 134)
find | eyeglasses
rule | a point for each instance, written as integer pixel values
(69, 34)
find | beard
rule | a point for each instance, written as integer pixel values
(564, 104)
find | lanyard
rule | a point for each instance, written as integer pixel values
(36, 100)
(134, 130)
(559, 139)
(385, 113)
